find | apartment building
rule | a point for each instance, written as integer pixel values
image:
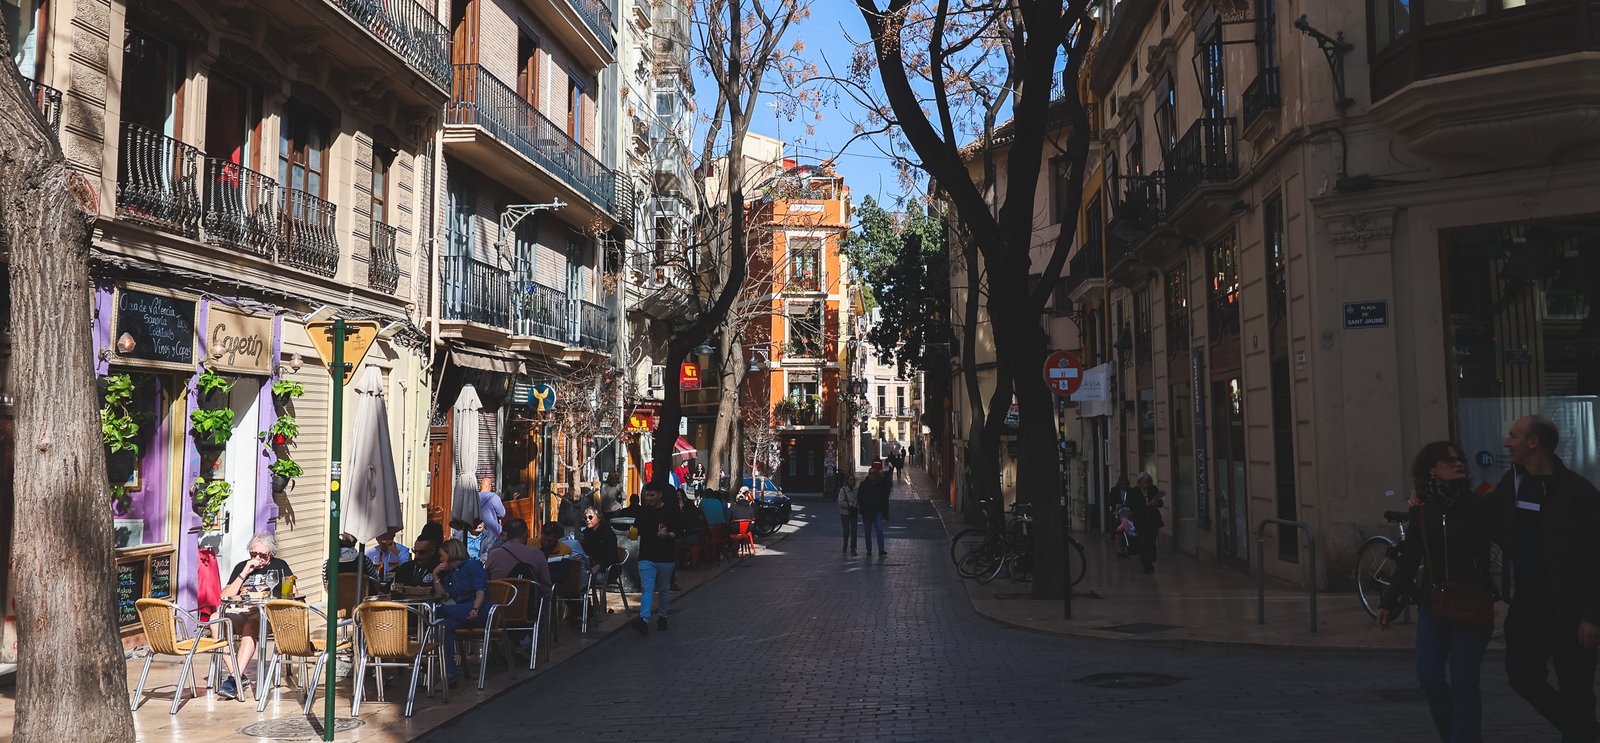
(246, 186)
(530, 210)
(1330, 240)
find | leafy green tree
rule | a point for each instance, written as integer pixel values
(901, 258)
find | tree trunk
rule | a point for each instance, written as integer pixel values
(732, 385)
(666, 433)
(71, 675)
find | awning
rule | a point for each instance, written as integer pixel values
(683, 447)
(489, 361)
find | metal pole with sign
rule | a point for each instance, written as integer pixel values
(336, 471)
(1064, 374)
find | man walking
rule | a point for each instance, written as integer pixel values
(1547, 521)
(1144, 504)
(873, 499)
(658, 553)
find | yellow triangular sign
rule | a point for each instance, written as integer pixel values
(358, 337)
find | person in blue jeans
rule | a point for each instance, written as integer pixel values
(658, 528)
(1448, 536)
(461, 582)
(873, 498)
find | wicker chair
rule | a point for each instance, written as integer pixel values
(502, 598)
(386, 643)
(292, 638)
(159, 620)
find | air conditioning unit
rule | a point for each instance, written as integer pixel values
(658, 377)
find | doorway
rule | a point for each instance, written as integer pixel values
(1228, 472)
(1184, 498)
(239, 463)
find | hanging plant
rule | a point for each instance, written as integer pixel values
(210, 383)
(212, 428)
(283, 471)
(209, 498)
(281, 432)
(119, 427)
(120, 500)
(285, 390)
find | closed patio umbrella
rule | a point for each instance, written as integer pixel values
(464, 449)
(371, 490)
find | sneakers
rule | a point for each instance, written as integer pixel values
(640, 625)
(228, 689)
(852, 553)
(883, 553)
(661, 624)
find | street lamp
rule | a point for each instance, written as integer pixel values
(758, 366)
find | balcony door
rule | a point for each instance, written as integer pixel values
(25, 23)
(150, 79)
(464, 31)
(303, 151)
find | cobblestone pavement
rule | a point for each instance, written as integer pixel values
(802, 643)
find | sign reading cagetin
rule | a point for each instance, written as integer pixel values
(237, 342)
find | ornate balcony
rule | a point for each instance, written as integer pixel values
(596, 330)
(597, 16)
(1207, 152)
(477, 292)
(158, 181)
(48, 101)
(1085, 274)
(383, 268)
(240, 208)
(407, 28)
(310, 240)
(540, 311)
(1262, 96)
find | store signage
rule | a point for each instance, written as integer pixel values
(642, 421)
(541, 397)
(236, 342)
(1063, 373)
(1366, 315)
(358, 337)
(153, 328)
(689, 376)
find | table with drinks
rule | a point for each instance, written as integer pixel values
(258, 589)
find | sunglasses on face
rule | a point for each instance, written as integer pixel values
(261, 554)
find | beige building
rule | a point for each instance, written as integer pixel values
(1329, 241)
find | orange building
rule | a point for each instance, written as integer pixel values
(791, 397)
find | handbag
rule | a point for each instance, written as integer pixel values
(1457, 603)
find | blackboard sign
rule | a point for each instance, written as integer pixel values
(130, 583)
(161, 576)
(161, 327)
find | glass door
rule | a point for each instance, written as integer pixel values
(1184, 497)
(1228, 471)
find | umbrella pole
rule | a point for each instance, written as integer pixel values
(335, 474)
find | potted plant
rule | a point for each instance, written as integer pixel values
(784, 410)
(209, 498)
(806, 410)
(212, 428)
(209, 383)
(119, 428)
(281, 432)
(283, 471)
(285, 390)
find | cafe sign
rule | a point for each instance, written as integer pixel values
(153, 328)
(238, 343)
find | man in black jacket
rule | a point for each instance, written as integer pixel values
(1547, 522)
(1145, 504)
(658, 528)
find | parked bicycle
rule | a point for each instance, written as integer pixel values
(984, 553)
(1380, 554)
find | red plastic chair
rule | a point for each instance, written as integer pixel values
(742, 537)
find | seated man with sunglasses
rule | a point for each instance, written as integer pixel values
(263, 568)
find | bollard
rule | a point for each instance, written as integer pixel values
(1261, 567)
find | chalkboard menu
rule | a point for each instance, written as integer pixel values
(162, 327)
(160, 577)
(130, 584)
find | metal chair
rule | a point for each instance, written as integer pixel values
(159, 619)
(575, 591)
(502, 596)
(386, 643)
(293, 638)
(743, 538)
(525, 615)
(601, 589)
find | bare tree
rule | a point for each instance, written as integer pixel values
(71, 676)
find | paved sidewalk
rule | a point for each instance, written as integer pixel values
(1184, 602)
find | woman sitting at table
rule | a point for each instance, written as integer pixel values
(263, 568)
(461, 581)
(599, 541)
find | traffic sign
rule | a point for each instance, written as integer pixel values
(1063, 373)
(358, 337)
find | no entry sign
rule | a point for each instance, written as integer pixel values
(1063, 373)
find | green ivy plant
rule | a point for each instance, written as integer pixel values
(287, 389)
(286, 468)
(209, 498)
(120, 500)
(215, 425)
(210, 383)
(119, 427)
(284, 427)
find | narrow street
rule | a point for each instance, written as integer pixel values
(803, 643)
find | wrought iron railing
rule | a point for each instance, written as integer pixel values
(1205, 153)
(410, 30)
(804, 281)
(803, 347)
(1084, 266)
(383, 265)
(310, 240)
(480, 99)
(241, 208)
(625, 202)
(539, 311)
(1262, 96)
(475, 291)
(596, 330)
(158, 181)
(48, 101)
(598, 16)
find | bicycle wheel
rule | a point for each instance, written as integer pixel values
(1374, 569)
(1000, 564)
(975, 563)
(1079, 566)
(965, 541)
(1021, 567)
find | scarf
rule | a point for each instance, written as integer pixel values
(1443, 494)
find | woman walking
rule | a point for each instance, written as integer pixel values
(1448, 538)
(848, 508)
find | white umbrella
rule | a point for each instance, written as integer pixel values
(371, 490)
(464, 446)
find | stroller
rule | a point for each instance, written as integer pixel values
(1127, 535)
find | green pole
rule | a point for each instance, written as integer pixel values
(335, 474)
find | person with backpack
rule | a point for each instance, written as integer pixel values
(516, 558)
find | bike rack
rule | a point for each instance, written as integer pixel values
(1261, 567)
